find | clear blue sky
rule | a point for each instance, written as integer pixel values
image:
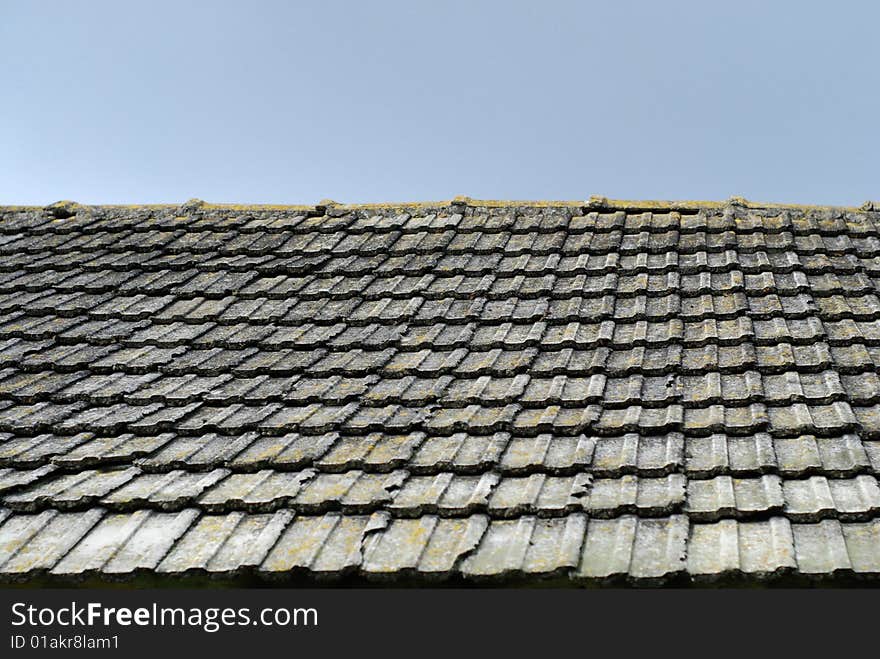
(293, 102)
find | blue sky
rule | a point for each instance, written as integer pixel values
(293, 102)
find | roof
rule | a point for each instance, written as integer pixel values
(587, 392)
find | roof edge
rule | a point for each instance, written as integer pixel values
(594, 201)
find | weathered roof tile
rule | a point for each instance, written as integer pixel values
(642, 549)
(527, 546)
(760, 549)
(30, 543)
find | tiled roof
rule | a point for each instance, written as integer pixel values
(593, 392)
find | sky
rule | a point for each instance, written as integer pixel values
(294, 102)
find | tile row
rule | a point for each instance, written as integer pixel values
(529, 391)
(583, 236)
(352, 418)
(611, 362)
(146, 333)
(416, 310)
(284, 545)
(471, 219)
(251, 285)
(843, 456)
(156, 268)
(448, 494)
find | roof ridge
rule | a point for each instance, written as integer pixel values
(594, 201)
